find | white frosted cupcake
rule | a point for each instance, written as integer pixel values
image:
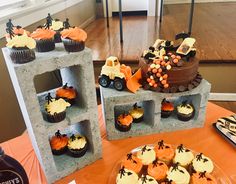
(202, 163)
(126, 176)
(183, 156)
(178, 174)
(147, 180)
(147, 155)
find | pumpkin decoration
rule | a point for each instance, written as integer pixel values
(185, 111)
(124, 122)
(166, 108)
(67, 93)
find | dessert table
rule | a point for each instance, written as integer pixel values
(205, 140)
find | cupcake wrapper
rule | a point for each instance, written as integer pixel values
(122, 128)
(182, 117)
(57, 117)
(138, 120)
(73, 46)
(59, 152)
(78, 152)
(165, 114)
(21, 56)
(57, 37)
(45, 45)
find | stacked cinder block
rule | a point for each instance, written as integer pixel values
(116, 102)
(77, 70)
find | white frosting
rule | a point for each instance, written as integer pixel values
(184, 109)
(201, 165)
(56, 25)
(149, 180)
(177, 176)
(147, 156)
(56, 106)
(21, 41)
(78, 143)
(183, 157)
(127, 178)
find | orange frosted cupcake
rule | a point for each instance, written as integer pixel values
(59, 143)
(158, 170)
(131, 162)
(164, 152)
(44, 39)
(202, 178)
(67, 93)
(73, 39)
(124, 122)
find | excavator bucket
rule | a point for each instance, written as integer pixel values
(133, 82)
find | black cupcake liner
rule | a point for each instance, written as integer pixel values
(57, 37)
(73, 46)
(21, 56)
(166, 114)
(121, 127)
(57, 117)
(45, 45)
(78, 152)
(184, 117)
(59, 152)
(138, 120)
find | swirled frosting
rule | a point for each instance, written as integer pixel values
(136, 112)
(78, 142)
(126, 176)
(131, 162)
(164, 151)
(43, 34)
(183, 156)
(179, 175)
(146, 154)
(202, 163)
(75, 34)
(66, 92)
(21, 41)
(147, 180)
(202, 178)
(157, 169)
(56, 106)
(18, 31)
(125, 119)
(56, 25)
(58, 142)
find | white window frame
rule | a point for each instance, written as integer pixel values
(34, 11)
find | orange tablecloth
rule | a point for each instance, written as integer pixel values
(205, 140)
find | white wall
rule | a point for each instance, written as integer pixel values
(129, 5)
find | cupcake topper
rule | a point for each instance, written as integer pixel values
(145, 149)
(167, 181)
(58, 134)
(123, 172)
(49, 98)
(180, 148)
(145, 179)
(161, 144)
(155, 163)
(129, 157)
(73, 137)
(202, 174)
(9, 28)
(65, 86)
(48, 21)
(66, 24)
(175, 167)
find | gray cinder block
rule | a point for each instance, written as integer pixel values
(116, 102)
(77, 70)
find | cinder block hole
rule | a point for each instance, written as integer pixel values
(148, 117)
(73, 76)
(66, 160)
(193, 99)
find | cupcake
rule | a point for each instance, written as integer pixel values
(131, 162)
(44, 39)
(147, 155)
(77, 145)
(167, 181)
(202, 178)
(147, 180)
(178, 174)
(126, 176)
(67, 93)
(73, 39)
(59, 143)
(55, 109)
(164, 152)
(183, 156)
(124, 122)
(166, 108)
(185, 111)
(201, 163)
(137, 113)
(158, 170)
(57, 26)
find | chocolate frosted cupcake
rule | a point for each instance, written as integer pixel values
(124, 122)
(73, 39)
(44, 39)
(137, 113)
(55, 109)
(59, 143)
(185, 111)
(77, 145)
(67, 93)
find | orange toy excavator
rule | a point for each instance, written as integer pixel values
(121, 75)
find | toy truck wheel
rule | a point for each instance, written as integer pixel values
(119, 84)
(104, 81)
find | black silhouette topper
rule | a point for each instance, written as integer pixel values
(66, 24)
(9, 28)
(48, 21)
(49, 98)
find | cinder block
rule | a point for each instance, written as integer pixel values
(77, 70)
(116, 102)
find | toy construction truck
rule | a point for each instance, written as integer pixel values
(119, 75)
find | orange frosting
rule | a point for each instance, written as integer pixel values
(18, 31)
(164, 152)
(75, 34)
(203, 178)
(157, 170)
(66, 92)
(58, 142)
(125, 119)
(131, 162)
(43, 34)
(167, 106)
